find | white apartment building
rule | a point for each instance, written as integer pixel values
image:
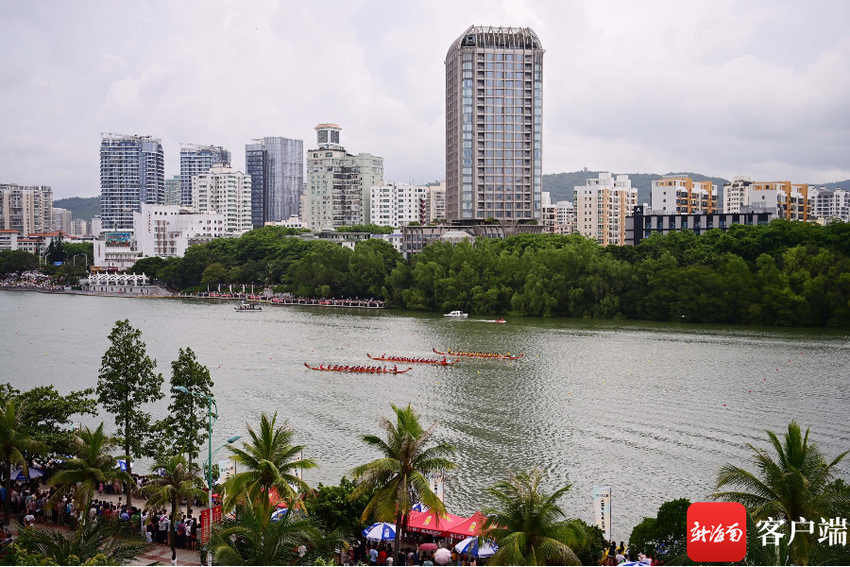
(435, 202)
(115, 250)
(26, 209)
(8, 239)
(565, 219)
(225, 191)
(787, 200)
(96, 226)
(168, 230)
(339, 184)
(601, 207)
(398, 204)
(679, 195)
(829, 204)
(61, 220)
(548, 212)
(79, 227)
(293, 221)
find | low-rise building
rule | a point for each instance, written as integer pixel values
(8, 239)
(678, 194)
(115, 250)
(396, 239)
(292, 222)
(398, 204)
(169, 230)
(643, 224)
(415, 238)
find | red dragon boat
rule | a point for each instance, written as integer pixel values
(405, 360)
(356, 369)
(491, 355)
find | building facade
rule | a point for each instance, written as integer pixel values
(398, 204)
(61, 220)
(415, 238)
(494, 115)
(339, 184)
(196, 159)
(132, 172)
(829, 204)
(787, 200)
(225, 191)
(79, 227)
(169, 230)
(435, 204)
(601, 207)
(682, 195)
(565, 222)
(549, 213)
(26, 209)
(173, 191)
(276, 167)
(8, 239)
(641, 225)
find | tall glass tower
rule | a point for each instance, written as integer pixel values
(196, 159)
(132, 171)
(276, 167)
(494, 114)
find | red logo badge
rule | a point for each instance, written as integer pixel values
(717, 532)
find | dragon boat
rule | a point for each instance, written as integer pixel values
(490, 355)
(404, 360)
(357, 369)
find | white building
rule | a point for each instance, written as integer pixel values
(168, 230)
(8, 239)
(549, 212)
(339, 184)
(225, 191)
(115, 250)
(565, 221)
(62, 220)
(786, 200)
(735, 194)
(601, 207)
(292, 222)
(398, 204)
(829, 204)
(96, 226)
(435, 202)
(79, 227)
(396, 239)
(679, 195)
(26, 209)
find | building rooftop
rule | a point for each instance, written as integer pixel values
(328, 125)
(499, 37)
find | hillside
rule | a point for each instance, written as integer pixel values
(560, 185)
(834, 185)
(80, 207)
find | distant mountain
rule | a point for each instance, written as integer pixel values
(80, 207)
(834, 185)
(560, 185)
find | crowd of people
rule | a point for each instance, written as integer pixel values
(382, 554)
(616, 554)
(30, 280)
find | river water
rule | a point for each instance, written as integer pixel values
(651, 409)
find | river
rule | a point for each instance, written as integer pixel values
(651, 409)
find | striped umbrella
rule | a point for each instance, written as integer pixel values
(380, 531)
(470, 546)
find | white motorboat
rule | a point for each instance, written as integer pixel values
(457, 314)
(248, 307)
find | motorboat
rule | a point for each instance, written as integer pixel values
(248, 307)
(457, 315)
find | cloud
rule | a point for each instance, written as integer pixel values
(725, 88)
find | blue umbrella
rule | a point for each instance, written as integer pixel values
(278, 514)
(380, 531)
(634, 564)
(121, 464)
(18, 474)
(470, 547)
(419, 507)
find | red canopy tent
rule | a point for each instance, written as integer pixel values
(430, 523)
(469, 527)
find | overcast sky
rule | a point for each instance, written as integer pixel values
(722, 88)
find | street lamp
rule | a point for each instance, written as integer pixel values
(84, 255)
(212, 418)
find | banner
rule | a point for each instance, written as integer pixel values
(602, 509)
(438, 486)
(206, 525)
(226, 469)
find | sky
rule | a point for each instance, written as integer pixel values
(722, 88)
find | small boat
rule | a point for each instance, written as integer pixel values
(405, 360)
(493, 355)
(457, 314)
(247, 307)
(357, 369)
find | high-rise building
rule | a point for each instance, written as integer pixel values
(677, 194)
(435, 204)
(196, 159)
(222, 190)
(339, 184)
(173, 191)
(132, 172)
(62, 219)
(276, 167)
(788, 200)
(494, 113)
(565, 222)
(829, 204)
(79, 227)
(26, 209)
(398, 204)
(601, 207)
(549, 213)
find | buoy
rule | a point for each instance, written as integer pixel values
(45, 354)
(724, 405)
(570, 393)
(751, 391)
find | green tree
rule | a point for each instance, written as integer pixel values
(529, 526)
(591, 549)
(642, 538)
(93, 543)
(17, 261)
(335, 509)
(401, 476)
(177, 479)
(14, 443)
(269, 461)
(127, 380)
(91, 465)
(797, 483)
(186, 426)
(215, 274)
(252, 538)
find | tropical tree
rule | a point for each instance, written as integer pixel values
(14, 443)
(175, 480)
(798, 482)
(401, 476)
(270, 462)
(251, 537)
(127, 380)
(529, 526)
(100, 542)
(91, 465)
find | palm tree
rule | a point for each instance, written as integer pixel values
(252, 538)
(14, 443)
(529, 526)
(177, 480)
(797, 483)
(400, 478)
(91, 465)
(270, 460)
(111, 540)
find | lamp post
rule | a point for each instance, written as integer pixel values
(84, 255)
(212, 418)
